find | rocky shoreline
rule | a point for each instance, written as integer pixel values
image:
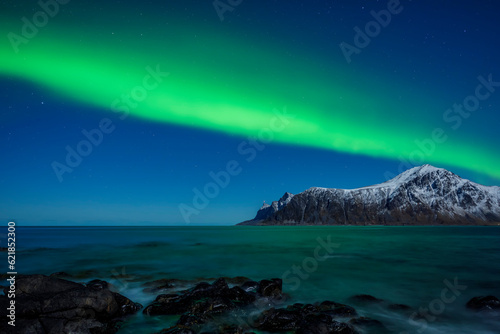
(48, 304)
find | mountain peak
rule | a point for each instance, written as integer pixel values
(264, 205)
(286, 196)
(425, 169)
(417, 172)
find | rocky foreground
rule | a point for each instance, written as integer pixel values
(51, 305)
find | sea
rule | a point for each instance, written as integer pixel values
(434, 270)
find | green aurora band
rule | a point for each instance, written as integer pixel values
(225, 84)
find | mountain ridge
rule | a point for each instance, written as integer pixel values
(423, 195)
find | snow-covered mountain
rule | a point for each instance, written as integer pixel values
(420, 196)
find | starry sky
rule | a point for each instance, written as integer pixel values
(195, 112)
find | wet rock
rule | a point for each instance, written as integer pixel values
(42, 285)
(274, 320)
(341, 328)
(198, 300)
(240, 296)
(217, 308)
(250, 286)
(337, 310)
(220, 285)
(169, 304)
(97, 285)
(212, 306)
(270, 288)
(53, 305)
(127, 307)
(303, 308)
(305, 318)
(203, 286)
(238, 280)
(484, 304)
(217, 297)
(167, 298)
(315, 324)
(365, 299)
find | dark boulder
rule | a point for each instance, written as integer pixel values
(484, 304)
(168, 304)
(217, 297)
(336, 309)
(250, 286)
(97, 285)
(203, 296)
(211, 306)
(217, 308)
(274, 320)
(316, 324)
(240, 296)
(305, 318)
(53, 305)
(238, 280)
(270, 288)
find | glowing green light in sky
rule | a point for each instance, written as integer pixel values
(231, 86)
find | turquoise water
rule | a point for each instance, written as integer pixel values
(405, 265)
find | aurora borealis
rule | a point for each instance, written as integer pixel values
(394, 102)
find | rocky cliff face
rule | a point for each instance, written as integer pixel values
(420, 196)
(268, 210)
